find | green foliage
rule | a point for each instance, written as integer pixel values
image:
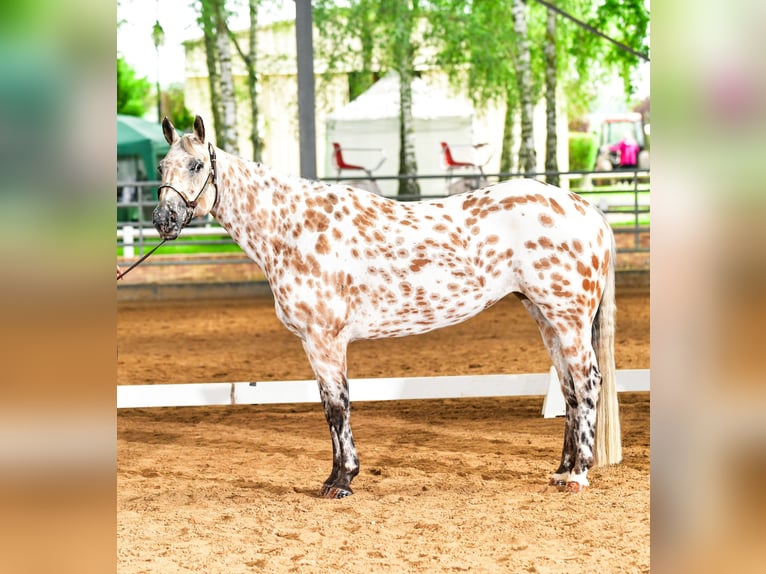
(132, 92)
(359, 82)
(175, 108)
(352, 37)
(476, 47)
(627, 21)
(582, 151)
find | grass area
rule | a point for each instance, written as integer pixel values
(643, 221)
(191, 245)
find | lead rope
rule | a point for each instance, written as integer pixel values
(147, 254)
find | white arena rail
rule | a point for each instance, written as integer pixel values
(377, 389)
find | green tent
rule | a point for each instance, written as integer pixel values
(143, 140)
(140, 146)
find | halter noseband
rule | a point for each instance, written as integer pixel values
(192, 205)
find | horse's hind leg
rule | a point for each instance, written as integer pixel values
(328, 360)
(582, 390)
(553, 346)
(586, 379)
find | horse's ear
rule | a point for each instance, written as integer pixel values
(199, 129)
(169, 131)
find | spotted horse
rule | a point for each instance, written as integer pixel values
(346, 264)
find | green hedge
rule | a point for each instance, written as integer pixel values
(582, 151)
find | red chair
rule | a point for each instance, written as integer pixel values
(341, 164)
(450, 162)
(467, 181)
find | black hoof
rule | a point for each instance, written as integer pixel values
(334, 492)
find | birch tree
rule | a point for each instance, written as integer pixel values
(403, 17)
(527, 153)
(551, 77)
(207, 23)
(250, 60)
(227, 133)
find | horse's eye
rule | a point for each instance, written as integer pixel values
(197, 166)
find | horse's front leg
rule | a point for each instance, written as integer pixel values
(328, 360)
(345, 463)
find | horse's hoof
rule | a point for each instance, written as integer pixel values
(573, 486)
(557, 482)
(334, 492)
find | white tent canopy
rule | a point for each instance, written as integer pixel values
(372, 121)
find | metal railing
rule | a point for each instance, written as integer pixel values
(622, 195)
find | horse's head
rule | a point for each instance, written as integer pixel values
(189, 188)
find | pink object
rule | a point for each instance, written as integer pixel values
(628, 149)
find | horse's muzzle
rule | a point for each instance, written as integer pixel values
(169, 219)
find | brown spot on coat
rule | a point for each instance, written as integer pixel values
(417, 264)
(545, 242)
(511, 202)
(583, 269)
(316, 221)
(322, 245)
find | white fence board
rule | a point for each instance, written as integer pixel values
(377, 389)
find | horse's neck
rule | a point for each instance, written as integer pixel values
(251, 201)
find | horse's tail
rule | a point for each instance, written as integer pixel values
(608, 440)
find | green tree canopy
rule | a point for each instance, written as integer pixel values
(132, 92)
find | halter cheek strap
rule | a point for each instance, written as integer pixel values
(212, 174)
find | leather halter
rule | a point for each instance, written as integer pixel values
(191, 205)
(212, 174)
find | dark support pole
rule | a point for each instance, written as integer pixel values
(306, 126)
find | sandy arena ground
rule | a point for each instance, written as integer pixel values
(446, 485)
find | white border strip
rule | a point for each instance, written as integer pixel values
(379, 389)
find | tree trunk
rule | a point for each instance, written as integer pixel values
(506, 154)
(250, 60)
(403, 61)
(407, 162)
(228, 132)
(551, 140)
(252, 79)
(365, 78)
(527, 154)
(211, 55)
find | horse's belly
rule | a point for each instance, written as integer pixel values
(412, 323)
(410, 308)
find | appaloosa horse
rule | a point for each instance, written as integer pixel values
(346, 264)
